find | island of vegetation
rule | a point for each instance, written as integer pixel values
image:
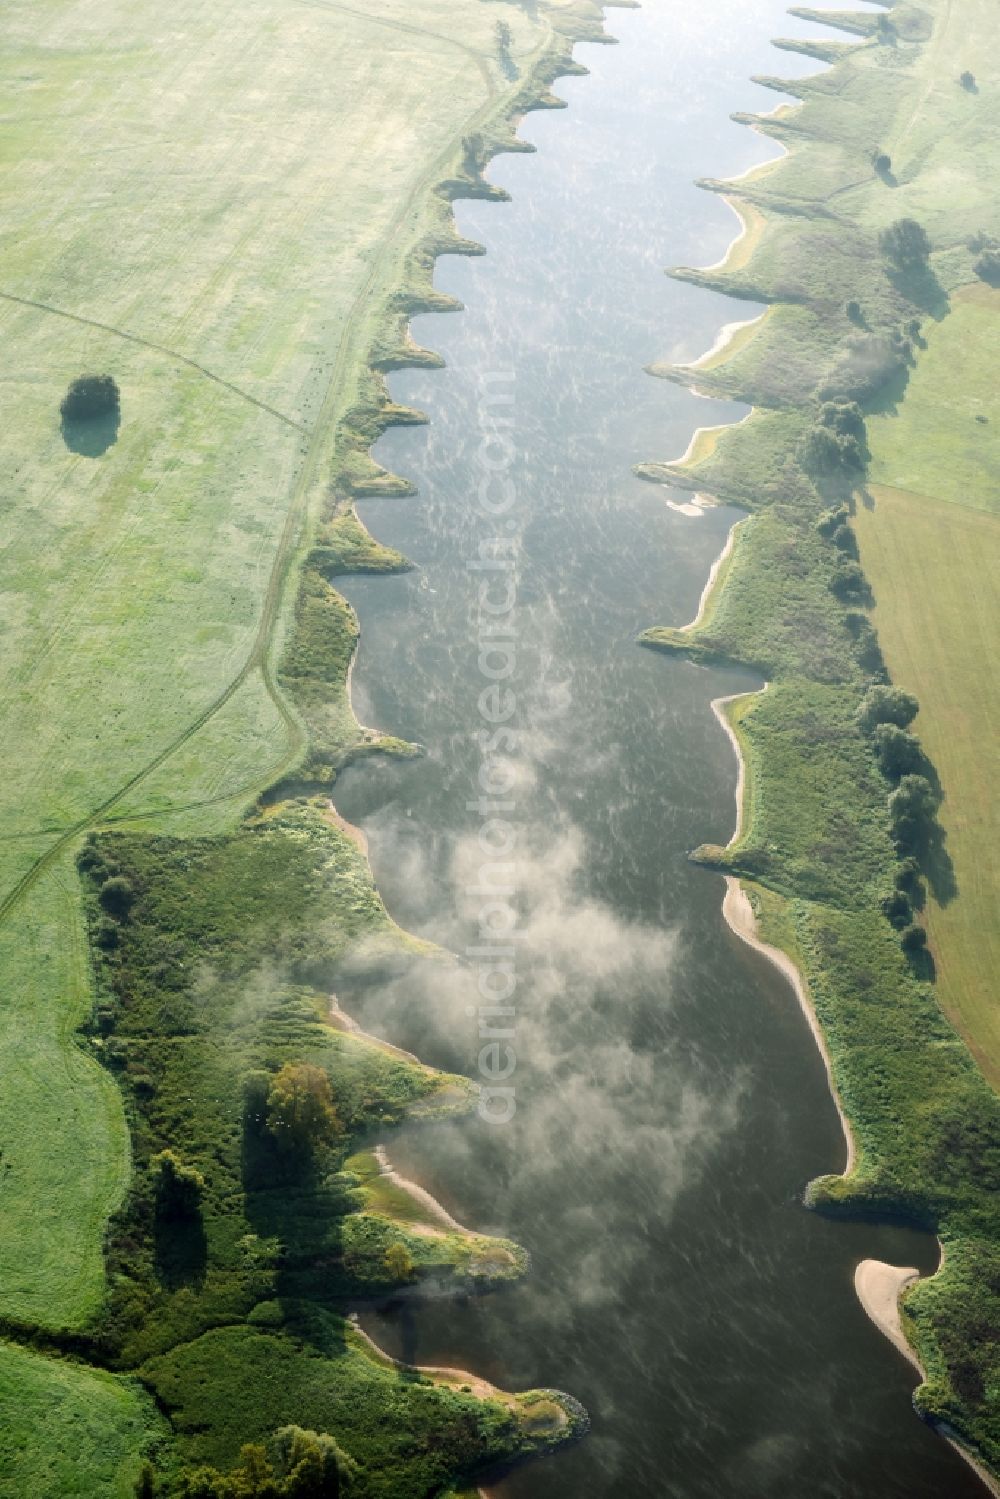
(237, 226)
(865, 587)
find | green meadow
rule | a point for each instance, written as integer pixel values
(232, 214)
(868, 569)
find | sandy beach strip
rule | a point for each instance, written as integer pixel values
(741, 920)
(437, 1212)
(720, 427)
(706, 592)
(726, 335)
(879, 1287)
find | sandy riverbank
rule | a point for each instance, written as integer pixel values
(439, 1215)
(879, 1287)
(740, 918)
(706, 592)
(726, 335)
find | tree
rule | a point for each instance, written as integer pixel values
(968, 80)
(887, 705)
(503, 38)
(117, 895)
(300, 1111)
(906, 245)
(848, 581)
(898, 752)
(90, 396)
(881, 161)
(838, 442)
(897, 909)
(311, 1464)
(913, 939)
(179, 1188)
(399, 1262)
(912, 807)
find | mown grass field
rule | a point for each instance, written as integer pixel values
(104, 1425)
(930, 545)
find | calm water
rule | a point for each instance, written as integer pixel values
(670, 1103)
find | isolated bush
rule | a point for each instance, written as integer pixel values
(905, 244)
(179, 1188)
(300, 1112)
(898, 752)
(90, 396)
(887, 705)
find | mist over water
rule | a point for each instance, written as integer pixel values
(671, 1105)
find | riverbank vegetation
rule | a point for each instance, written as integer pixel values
(176, 657)
(867, 828)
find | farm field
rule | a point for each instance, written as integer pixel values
(930, 545)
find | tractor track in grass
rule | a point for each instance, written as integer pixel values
(258, 658)
(148, 343)
(407, 26)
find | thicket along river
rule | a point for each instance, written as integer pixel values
(670, 1103)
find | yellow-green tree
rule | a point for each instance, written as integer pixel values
(300, 1111)
(399, 1262)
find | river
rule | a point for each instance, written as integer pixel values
(670, 1102)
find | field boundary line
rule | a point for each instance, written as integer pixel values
(148, 343)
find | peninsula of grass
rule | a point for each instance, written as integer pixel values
(176, 658)
(866, 574)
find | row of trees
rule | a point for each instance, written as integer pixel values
(296, 1464)
(885, 716)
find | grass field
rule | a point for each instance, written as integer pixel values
(211, 205)
(930, 545)
(229, 210)
(69, 1430)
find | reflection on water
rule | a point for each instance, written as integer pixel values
(670, 1103)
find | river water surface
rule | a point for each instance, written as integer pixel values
(671, 1105)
